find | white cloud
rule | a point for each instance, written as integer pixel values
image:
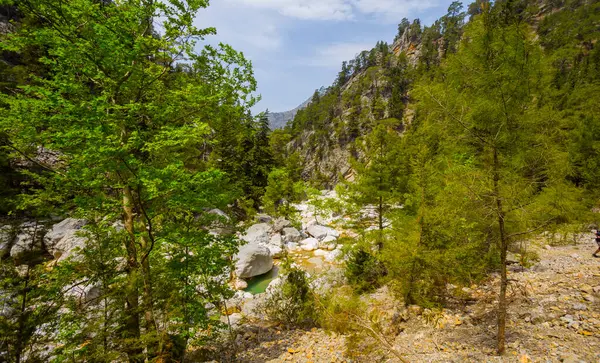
(341, 9)
(333, 55)
(392, 10)
(246, 29)
(306, 9)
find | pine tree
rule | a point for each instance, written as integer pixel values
(378, 174)
(491, 97)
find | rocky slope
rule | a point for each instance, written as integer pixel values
(553, 317)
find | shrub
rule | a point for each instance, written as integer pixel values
(364, 270)
(290, 303)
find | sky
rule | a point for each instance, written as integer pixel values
(297, 46)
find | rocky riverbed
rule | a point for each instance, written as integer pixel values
(554, 316)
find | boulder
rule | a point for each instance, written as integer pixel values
(320, 232)
(291, 234)
(291, 246)
(85, 294)
(253, 260)
(309, 244)
(62, 240)
(275, 245)
(328, 243)
(280, 223)
(27, 246)
(320, 252)
(264, 218)
(240, 284)
(257, 234)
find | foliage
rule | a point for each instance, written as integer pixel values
(131, 112)
(291, 302)
(364, 270)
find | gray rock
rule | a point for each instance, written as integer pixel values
(258, 233)
(264, 218)
(291, 234)
(253, 260)
(579, 306)
(63, 239)
(85, 294)
(333, 255)
(275, 245)
(309, 244)
(328, 243)
(233, 319)
(27, 246)
(280, 223)
(320, 232)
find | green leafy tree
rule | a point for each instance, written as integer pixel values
(131, 133)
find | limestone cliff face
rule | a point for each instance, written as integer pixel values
(330, 129)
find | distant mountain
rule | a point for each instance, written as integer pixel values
(278, 120)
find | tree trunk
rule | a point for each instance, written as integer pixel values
(132, 319)
(501, 338)
(380, 220)
(21, 334)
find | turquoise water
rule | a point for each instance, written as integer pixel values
(258, 284)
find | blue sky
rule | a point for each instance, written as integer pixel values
(297, 46)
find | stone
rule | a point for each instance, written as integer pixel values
(320, 252)
(253, 260)
(257, 233)
(579, 306)
(233, 319)
(27, 246)
(588, 297)
(320, 232)
(309, 244)
(280, 223)
(291, 246)
(85, 294)
(240, 284)
(275, 245)
(291, 234)
(586, 288)
(264, 218)
(328, 243)
(61, 229)
(334, 255)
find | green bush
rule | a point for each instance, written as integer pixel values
(292, 302)
(364, 270)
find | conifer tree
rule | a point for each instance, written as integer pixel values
(491, 95)
(378, 173)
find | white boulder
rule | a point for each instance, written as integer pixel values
(63, 239)
(280, 223)
(320, 232)
(257, 233)
(253, 260)
(320, 252)
(27, 246)
(291, 234)
(309, 244)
